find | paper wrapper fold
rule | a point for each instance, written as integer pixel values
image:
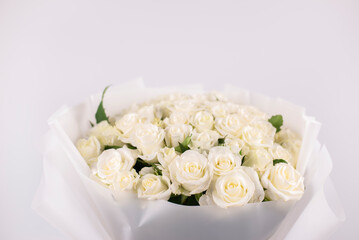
(81, 208)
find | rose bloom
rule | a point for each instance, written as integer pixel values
(190, 173)
(236, 188)
(283, 182)
(175, 134)
(106, 134)
(204, 140)
(223, 160)
(148, 139)
(231, 125)
(112, 161)
(259, 134)
(89, 149)
(202, 121)
(153, 187)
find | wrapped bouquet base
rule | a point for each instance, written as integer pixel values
(78, 205)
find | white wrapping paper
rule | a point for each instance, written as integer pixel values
(83, 209)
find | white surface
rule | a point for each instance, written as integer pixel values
(59, 52)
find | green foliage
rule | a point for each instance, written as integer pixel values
(100, 113)
(276, 121)
(275, 161)
(182, 147)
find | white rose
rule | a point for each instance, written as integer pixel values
(89, 149)
(278, 152)
(126, 126)
(230, 125)
(236, 145)
(218, 109)
(259, 134)
(259, 159)
(190, 173)
(250, 113)
(111, 161)
(152, 187)
(176, 134)
(146, 113)
(176, 118)
(125, 181)
(283, 182)
(166, 155)
(204, 140)
(188, 106)
(223, 160)
(106, 134)
(202, 121)
(233, 189)
(258, 195)
(290, 141)
(148, 139)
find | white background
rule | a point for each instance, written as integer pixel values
(59, 52)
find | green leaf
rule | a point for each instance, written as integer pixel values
(100, 113)
(221, 141)
(240, 152)
(157, 170)
(266, 199)
(198, 196)
(275, 161)
(130, 146)
(276, 121)
(243, 160)
(140, 164)
(182, 147)
(111, 147)
(183, 198)
(186, 141)
(175, 198)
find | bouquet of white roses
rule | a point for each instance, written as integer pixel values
(194, 149)
(106, 157)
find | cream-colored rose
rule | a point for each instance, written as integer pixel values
(233, 189)
(230, 125)
(250, 114)
(146, 113)
(166, 155)
(202, 121)
(112, 161)
(258, 195)
(153, 187)
(236, 145)
(278, 152)
(175, 134)
(283, 182)
(188, 106)
(259, 134)
(148, 139)
(126, 126)
(223, 160)
(176, 118)
(125, 181)
(291, 142)
(204, 140)
(106, 134)
(218, 109)
(259, 159)
(190, 173)
(89, 149)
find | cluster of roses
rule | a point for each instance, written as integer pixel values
(195, 149)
